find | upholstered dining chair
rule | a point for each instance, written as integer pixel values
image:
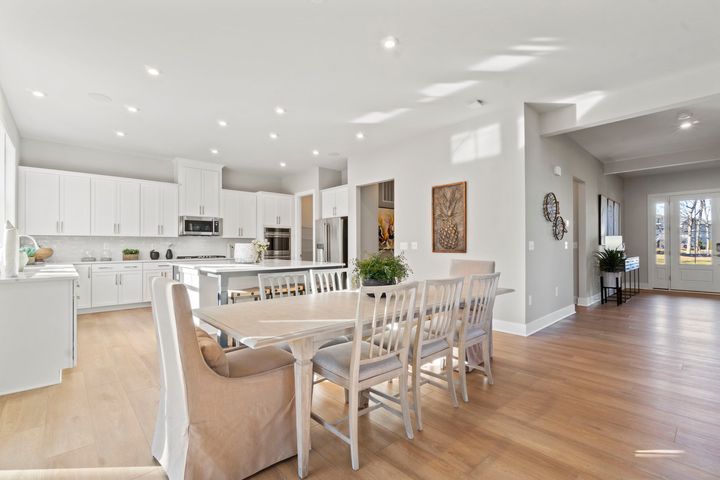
(359, 365)
(283, 284)
(475, 326)
(330, 280)
(220, 415)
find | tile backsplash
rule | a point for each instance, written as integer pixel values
(72, 249)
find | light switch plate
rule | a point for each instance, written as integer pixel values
(403, 245)
(531, 245)
(414, 246)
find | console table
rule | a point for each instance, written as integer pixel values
(627, 284)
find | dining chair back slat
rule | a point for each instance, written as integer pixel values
(330, 280)
(285, 284)
(439, 309)
(392, 312)
(480, 301)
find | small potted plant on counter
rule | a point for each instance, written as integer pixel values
(611, 262)
(381, 269)
(131, 254)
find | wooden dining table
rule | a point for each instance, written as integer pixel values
(305, 322)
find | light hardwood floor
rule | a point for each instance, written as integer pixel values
(609, 393)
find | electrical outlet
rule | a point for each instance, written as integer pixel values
(413, 246)
(531, 245)
(557, 291)
(403, 246)
(530, 300)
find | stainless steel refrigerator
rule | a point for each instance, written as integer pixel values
(332, 240)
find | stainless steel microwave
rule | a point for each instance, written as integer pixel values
(200, 226)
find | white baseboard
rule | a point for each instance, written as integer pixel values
(111, 308)
(645, 286)
(587, 301)
(527, 329)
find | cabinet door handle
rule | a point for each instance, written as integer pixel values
(241, 231)
(120, 277)
(57, 226)
(162, 229)
(62, 226)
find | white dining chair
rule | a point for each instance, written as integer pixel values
(284, 284)
(330, 280)
(475, 324)
(438, 313)
(359, 365)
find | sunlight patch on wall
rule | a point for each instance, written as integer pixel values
(446, 89)
(521, 132)
(379, 117)
(502, 63)
(584, 102)
(476, 144)
(536, 48)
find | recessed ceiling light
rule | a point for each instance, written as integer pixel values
(283, 164)
(119, 133)
(37, 93)
(222, 123)
(273, 135)
(686, 124)
(390, 42)
(316, 152)
(152, 71)
(360, 135)
(214, 151)
(132, 109)
(280, 110)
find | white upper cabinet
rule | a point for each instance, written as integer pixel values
(115, 207)
(200, 184)
(52, 203)
(277, 209)
(159, 209)
(335, 202)
(239, 214)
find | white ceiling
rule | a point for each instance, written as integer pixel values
(322, 61)
(654, 134)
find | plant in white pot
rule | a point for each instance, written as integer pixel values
(381, 269)
(611, 262)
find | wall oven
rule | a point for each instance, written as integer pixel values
(200, 226)
(279, 240)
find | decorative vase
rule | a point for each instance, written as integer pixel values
(259, 256)
(609, 278)
(22, 261)
(372, 282)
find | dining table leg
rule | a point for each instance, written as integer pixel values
(303, 350)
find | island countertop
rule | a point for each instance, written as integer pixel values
(230, 266)
(43, 273)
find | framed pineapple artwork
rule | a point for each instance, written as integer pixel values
(449, 218)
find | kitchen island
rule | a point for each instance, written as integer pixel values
(208, 281)
(38, 324)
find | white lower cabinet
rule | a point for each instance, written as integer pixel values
(151, 271)
(116, 284)
(83, 286)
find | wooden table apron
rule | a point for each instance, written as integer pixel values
(304, 322)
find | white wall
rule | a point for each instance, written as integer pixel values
(7, 120)
(550, 264)
(9, 145)
(636, 191)
(488, 153)
(38, 153)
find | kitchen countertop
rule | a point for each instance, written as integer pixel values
(142, 260)
(230, 266)
(43, 273)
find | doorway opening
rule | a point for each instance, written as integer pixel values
(376, 226)
(579, 244)
(307, 222)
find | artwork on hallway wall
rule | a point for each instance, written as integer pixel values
(386, 229)
(609, 218)
(449, 218)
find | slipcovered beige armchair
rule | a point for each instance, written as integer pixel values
(210, 425)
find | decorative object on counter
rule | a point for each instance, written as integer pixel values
(43, 254)
(131, 254)
(449, 218)
(106, 254)
(244, 253)
(551, 207)
(154, 254)
(30, 252)
(381, 269)
(11, 252)
(22, 260)
(259, 247)
(88, 256)
(169, 252)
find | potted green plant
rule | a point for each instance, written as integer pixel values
(131, 254)
(381, 269)
(611, 262)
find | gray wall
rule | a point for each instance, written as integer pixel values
(368, 220)
(550, 264)
(637, 189)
